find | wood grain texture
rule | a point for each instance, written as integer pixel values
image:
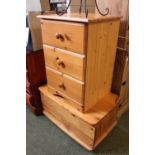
(87, 129)
(118, 70)
(104, 134)
(81, 18)
(104, 124)
(65, 84)
(62, 98)
(62, 113)
(64, 61)
(121, 82)
(78, 136)
(124, 92)
(84, 109)
(120, 8)
(98, 112)
(126, 46)
(72, 35)
(123, 108)
(102, 41)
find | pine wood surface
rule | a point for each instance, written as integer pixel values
(72, 35)
(76, 17)
(64, 99)
(118, 70)
(78, 136)
(64, 61)
(120, 8)
(100, 42)
(123, 108)
(124, 92)
(65, 84)
(96, 124)
(101, 51)
(71, 103)
(95, 114)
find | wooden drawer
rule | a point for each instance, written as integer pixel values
(64, 61)
(68, 119)
(67, 85)
(69, 36)
(60, 97)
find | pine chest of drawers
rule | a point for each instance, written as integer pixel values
(79, 60)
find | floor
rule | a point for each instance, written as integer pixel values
(44, 138)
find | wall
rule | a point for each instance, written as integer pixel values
(117, 8)
(37, 5)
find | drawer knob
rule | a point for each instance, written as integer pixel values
(57, 94)
(59, 36)
(62, 86)
(60, 62)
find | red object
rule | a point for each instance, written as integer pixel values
(35, 77)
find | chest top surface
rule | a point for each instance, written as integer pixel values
(76, 17)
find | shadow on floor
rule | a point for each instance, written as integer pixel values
(44, 138)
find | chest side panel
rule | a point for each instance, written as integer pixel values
(101, 51)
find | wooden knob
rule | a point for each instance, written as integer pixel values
(61, 85)
(57, 94)
(59, 36)
(60, 62)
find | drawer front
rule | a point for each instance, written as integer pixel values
(69, 120)
(66, 62)
(61, 98)
(69, 36)
(65, 84)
